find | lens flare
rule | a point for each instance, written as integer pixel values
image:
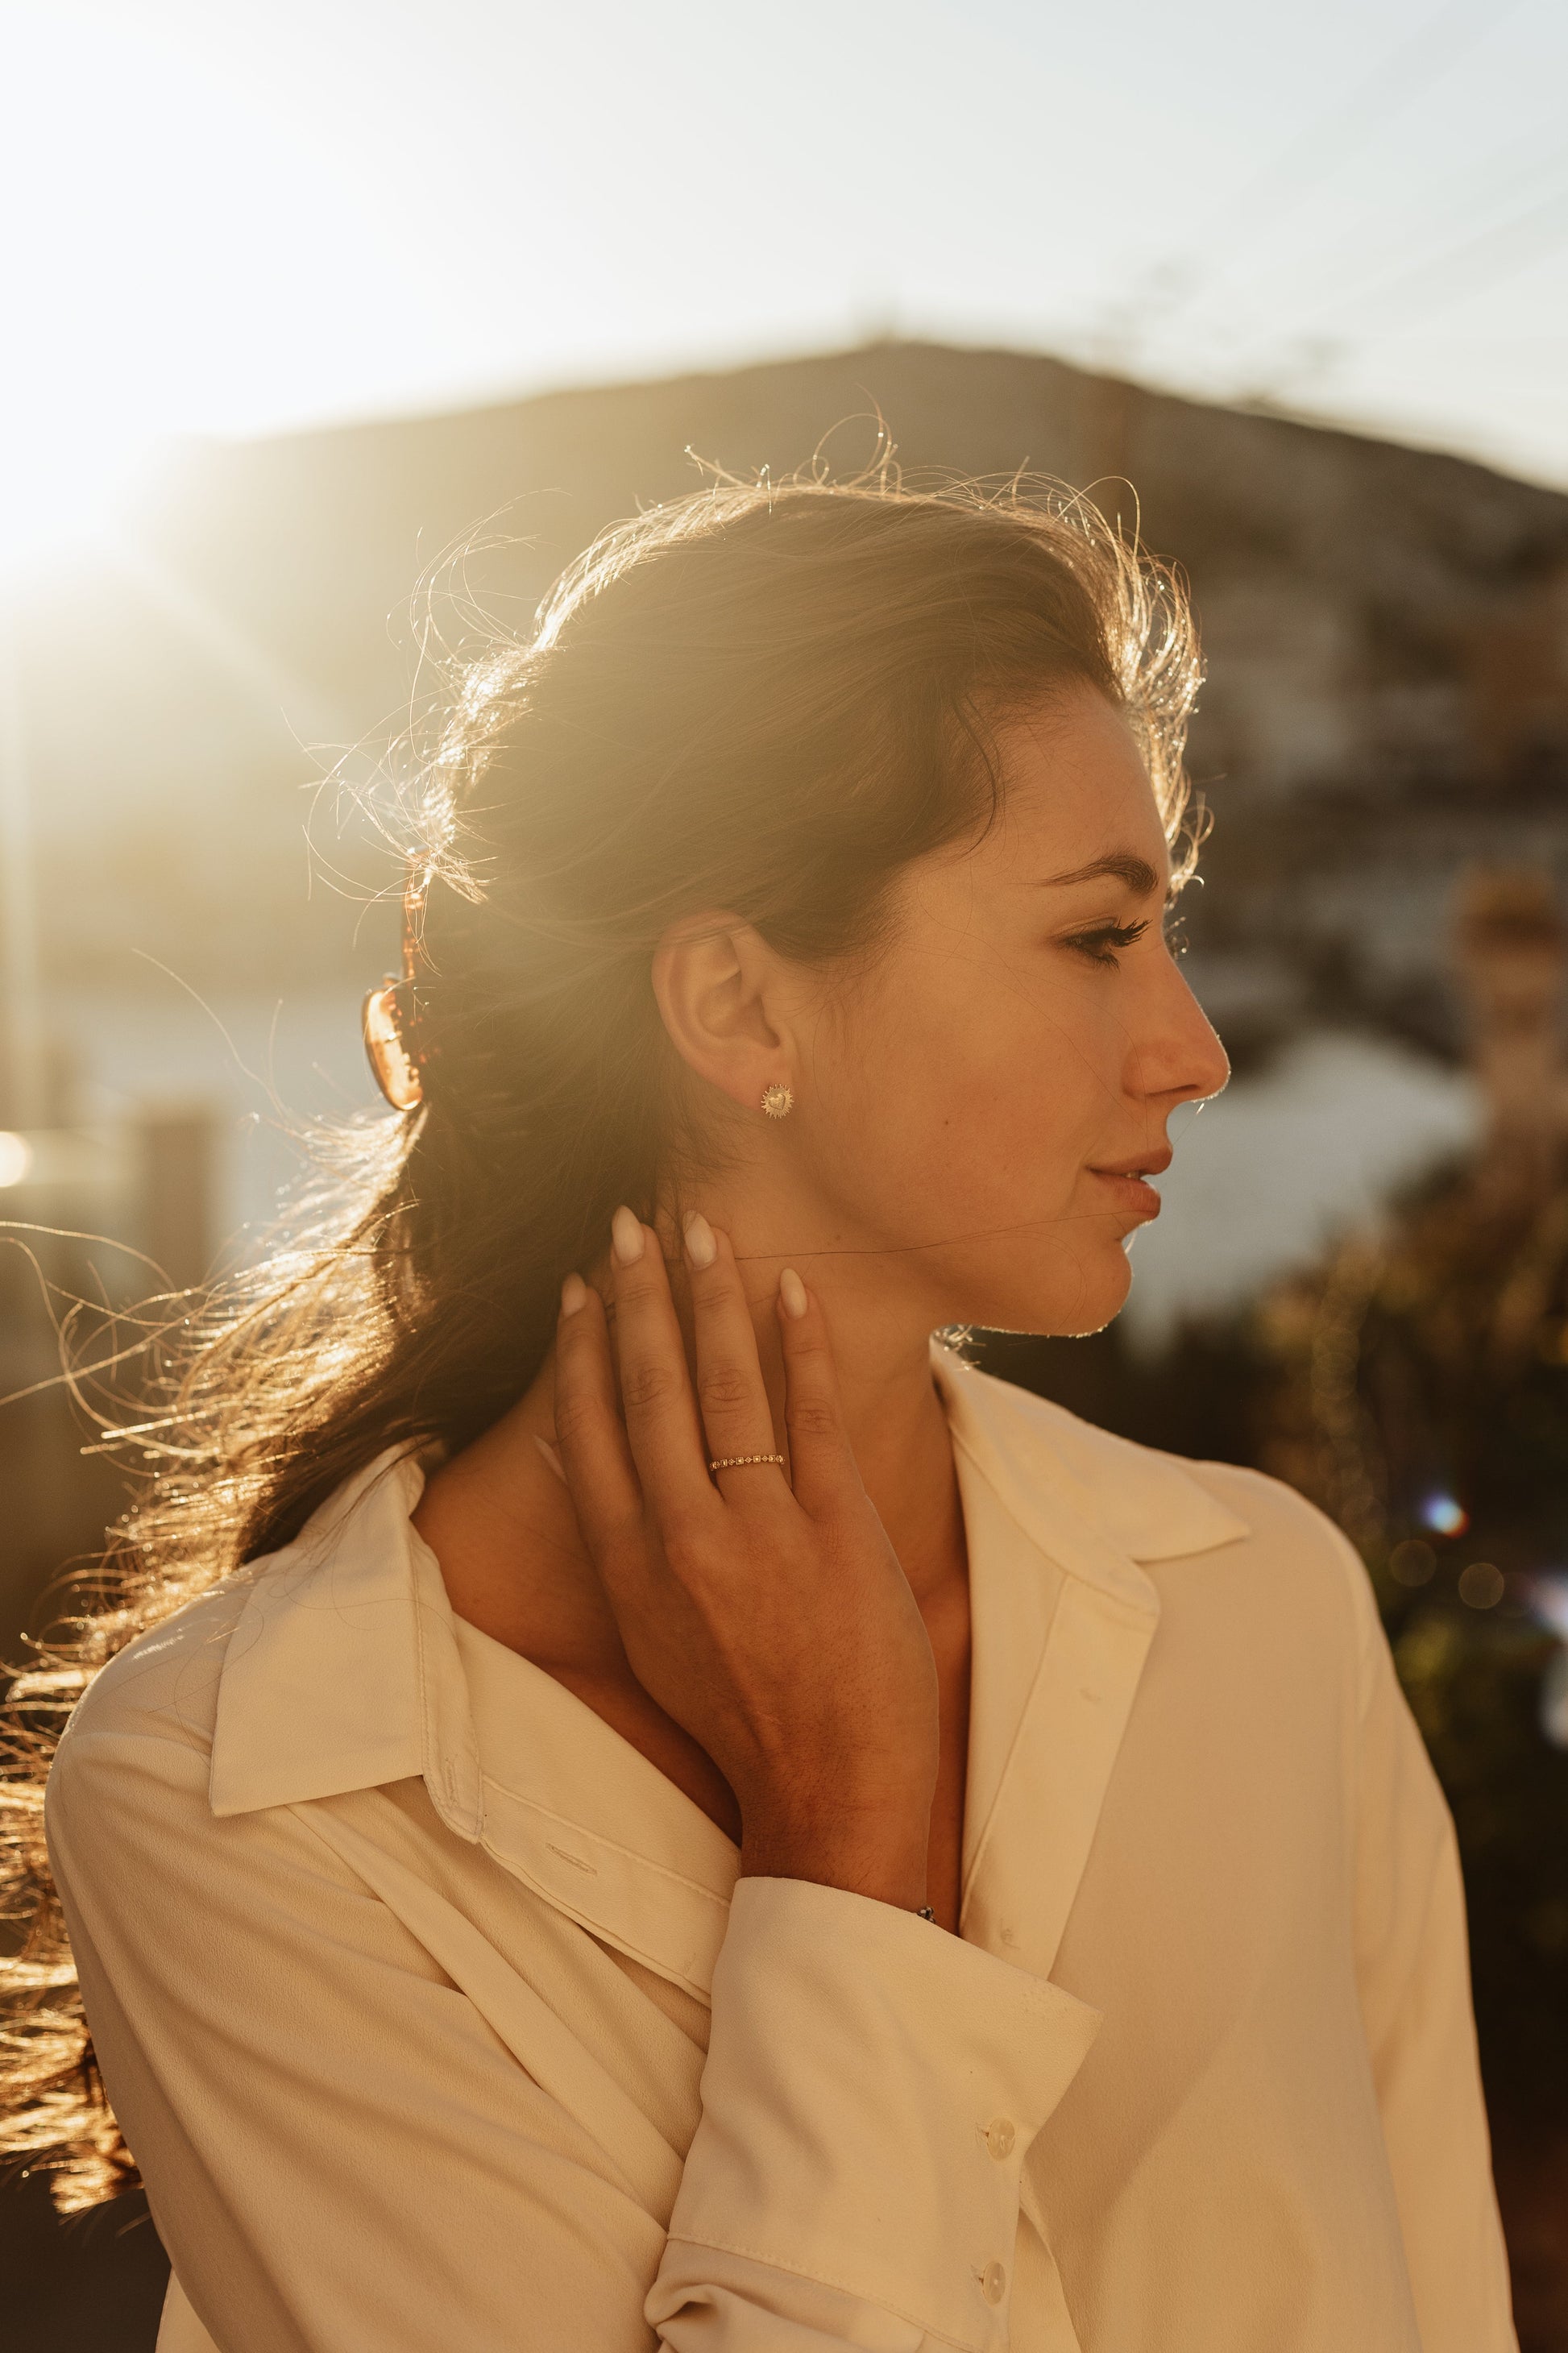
(1445, 1515)
(15, 1157)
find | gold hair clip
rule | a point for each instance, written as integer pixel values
(389, 1018)
(396, 1071)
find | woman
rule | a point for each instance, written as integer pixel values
(695, 1817)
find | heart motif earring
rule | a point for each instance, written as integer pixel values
(778, 1101)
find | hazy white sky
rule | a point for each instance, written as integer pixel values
(242, 217)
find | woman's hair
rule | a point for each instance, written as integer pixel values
(760, 700)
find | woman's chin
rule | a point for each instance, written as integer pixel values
(1065, 1302)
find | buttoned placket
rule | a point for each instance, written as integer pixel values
(1031, 1812)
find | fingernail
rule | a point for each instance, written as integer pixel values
(700, 1247)
(551, 1457)
(625, 1237)
(574, 1294)
(791, 1291)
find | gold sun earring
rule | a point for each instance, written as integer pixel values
(778, 1101)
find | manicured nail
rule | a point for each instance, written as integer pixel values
(553, 1458)
(791, 1291)
(574, 1294)
(700, 1247)
(625, 1237)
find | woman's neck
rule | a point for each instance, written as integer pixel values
(893, 1412)
(500, 1519)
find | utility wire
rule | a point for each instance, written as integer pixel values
(1310, 161)
(1493, 196)
(1495, 255)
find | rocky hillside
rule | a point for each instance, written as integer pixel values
(1386, 631)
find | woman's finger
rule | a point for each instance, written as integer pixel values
(823, 1469)
(731, 1391)
(595, 1455)
(661, 1418)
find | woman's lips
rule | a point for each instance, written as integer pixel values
(1129, 1191)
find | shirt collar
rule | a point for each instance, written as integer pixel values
(341, 1671)
(348, 1667)
(1044, 1462)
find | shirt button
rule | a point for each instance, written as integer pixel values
(999, 2137)
(994, 2285)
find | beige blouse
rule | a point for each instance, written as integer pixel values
(439, 2021)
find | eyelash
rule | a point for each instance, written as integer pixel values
(1100, 944)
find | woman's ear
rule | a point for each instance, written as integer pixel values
(722, 993)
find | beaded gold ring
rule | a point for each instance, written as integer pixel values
(734, 1461)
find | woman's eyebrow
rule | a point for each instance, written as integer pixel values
(1124, 865)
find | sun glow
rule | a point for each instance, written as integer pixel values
(63, 480)
(16, 1159)
(173, 262)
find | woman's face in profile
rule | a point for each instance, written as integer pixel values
(989, 1096)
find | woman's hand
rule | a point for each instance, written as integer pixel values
(768, 1615)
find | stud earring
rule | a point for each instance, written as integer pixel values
(778, 1101)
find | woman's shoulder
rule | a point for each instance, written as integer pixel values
(161, 1690)
(1292, 1540)
(1156, 1505)
(164, 1682)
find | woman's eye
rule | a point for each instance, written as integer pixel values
(1100, 944)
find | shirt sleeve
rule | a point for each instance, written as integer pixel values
(342, 2156)
(871, 2089)
(1413, 1968)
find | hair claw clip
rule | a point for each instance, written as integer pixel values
(389, 1019)
(382, 1019)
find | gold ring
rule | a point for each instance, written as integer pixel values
(733, 1461)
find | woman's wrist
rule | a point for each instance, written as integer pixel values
(887, 1872)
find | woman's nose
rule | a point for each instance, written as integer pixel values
(1188, 1063)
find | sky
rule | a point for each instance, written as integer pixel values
(239, 220)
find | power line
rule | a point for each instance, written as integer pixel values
(1510, 246)
(1405, 74)
(1494, 255)
(1490, 197)
(1306, 164)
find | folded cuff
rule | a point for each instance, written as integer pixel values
(871, 2087)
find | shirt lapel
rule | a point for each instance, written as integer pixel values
(1030, 1850)
(588, 1823)
(1061, 1620)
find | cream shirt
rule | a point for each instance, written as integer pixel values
(439, 2023)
